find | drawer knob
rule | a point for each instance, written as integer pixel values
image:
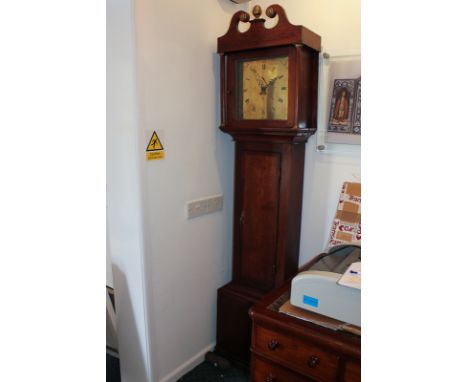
(270, 378)
(273, 344)
(313, 362)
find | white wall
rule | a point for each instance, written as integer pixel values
(185, 261)
(124, 209)
(109, 278)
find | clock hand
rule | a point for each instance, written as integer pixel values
(264, 87)
(262, 83)
(274, 79)
(259, 80)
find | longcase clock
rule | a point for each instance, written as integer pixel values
(269, 106)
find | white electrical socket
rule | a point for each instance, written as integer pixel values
(204, 206)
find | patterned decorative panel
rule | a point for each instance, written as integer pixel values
(346, 228)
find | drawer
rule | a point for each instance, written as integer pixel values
(264, 371)
(296, 353)
(352, 372)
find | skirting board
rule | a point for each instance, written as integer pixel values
(188, 365)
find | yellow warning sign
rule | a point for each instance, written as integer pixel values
(155, 149)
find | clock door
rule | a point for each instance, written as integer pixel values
(261, 88)
(256, 234)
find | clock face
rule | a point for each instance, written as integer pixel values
(262, 89)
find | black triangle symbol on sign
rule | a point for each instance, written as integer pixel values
(154, 143)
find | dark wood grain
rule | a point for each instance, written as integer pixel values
(233, 323)
(257, 36)
(296, 353)
(266, 371)
(259, 187)
(352, 372)
(267, 222)
(269, 169)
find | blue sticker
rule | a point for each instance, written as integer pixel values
(310, 301)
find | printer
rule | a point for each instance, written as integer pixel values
(332, 286)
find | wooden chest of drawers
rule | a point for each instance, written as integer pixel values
(287, 349)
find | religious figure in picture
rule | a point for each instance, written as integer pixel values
(340, 114)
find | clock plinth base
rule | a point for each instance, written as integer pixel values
(233, 323)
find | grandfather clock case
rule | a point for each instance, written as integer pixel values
(269, 106)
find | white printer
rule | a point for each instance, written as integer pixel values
(332, 286)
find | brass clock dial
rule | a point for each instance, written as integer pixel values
(262, 89)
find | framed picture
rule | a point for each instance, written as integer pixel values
(357, 110)
(339, 114)
(342, 106)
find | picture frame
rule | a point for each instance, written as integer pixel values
(342, 106)
(357, 110)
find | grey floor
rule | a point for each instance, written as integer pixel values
(112, 369)
(206, 372)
